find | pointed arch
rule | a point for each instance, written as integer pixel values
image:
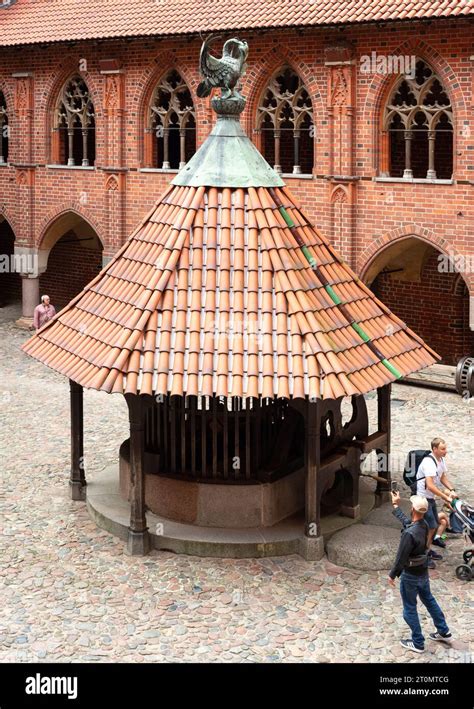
(7, 90)
(375, 248)
(418, 276)
(156, 72)
(51, 96)
(257, 77)
(340, 195)
(10, 279)
(72, 208)
(7, 216)
(283, 116)
(382, 86)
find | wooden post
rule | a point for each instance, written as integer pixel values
(383, 454)
(138, 537)
(312, 547)
(77, 481)
(350, 506)
(312, 456)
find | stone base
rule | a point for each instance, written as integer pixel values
(111, 512)
(24, 323)
(383, 516)
(311, 548)
(213, 505)
(364, 546)
(138, 543)
(78, 491)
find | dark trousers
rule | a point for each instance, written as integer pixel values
(411, 587)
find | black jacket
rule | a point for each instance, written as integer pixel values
(412, 543)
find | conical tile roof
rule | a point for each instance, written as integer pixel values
(227, 289)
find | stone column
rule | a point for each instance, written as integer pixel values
(296, 143)
(30, 298)
(31, 264)
(277, 166)
(408, 172)
(431, 174)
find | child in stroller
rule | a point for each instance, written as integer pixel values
(462, 521)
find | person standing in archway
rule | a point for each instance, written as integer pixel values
(44, 312)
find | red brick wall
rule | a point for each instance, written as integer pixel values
(70, 267)
(434, 308)
(442, 214)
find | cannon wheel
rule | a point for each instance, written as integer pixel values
(465, 375)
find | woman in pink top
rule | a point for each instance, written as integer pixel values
(43, 312)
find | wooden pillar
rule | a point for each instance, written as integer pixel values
(312, 547)
(350, 506)
(138, 537)
(77, 482)
(383, 454)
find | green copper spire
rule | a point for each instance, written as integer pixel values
(228, 158)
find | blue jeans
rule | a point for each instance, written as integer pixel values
(411, 587)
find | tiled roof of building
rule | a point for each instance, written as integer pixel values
(212, 295)
(38, 21)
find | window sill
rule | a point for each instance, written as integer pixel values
(413, 180)
(167, 171)
(4, 164)
(70, 167)
(296, 176)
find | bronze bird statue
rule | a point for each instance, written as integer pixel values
(224, 72)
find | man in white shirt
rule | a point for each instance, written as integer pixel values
(430, 476)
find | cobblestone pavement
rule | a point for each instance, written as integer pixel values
(69, 592)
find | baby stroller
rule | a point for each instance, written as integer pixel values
(463, 516)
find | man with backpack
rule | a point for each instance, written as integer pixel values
(411, 565)
(425, 471)
(430, 476)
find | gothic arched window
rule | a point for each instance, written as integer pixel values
(418, 123)
(3, 130)
(75, 125)
(285, 122)
(171, 124)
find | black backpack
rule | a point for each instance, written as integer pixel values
(410, 470)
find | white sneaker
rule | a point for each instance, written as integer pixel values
(442, 638)
(410, 645)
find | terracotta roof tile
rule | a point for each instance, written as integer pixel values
(229, 292)
(33, 21)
